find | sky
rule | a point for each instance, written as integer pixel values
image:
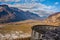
(36, 6)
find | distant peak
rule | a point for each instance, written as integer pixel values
(4, 5)
(27, 11)
(57, 13)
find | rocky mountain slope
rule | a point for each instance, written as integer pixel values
(53, 19)
(11, 14)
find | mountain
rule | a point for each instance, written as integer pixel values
(53, 19)
(26, 25)
(12, 14)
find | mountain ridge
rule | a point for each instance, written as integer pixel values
(53, 19)
(11, 14)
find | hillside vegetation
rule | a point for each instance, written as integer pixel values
(24, 26)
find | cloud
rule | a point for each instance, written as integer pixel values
(42, 0)
(10, 0)
(38, 0)
(17, 0)
(5, 0)
(33, 1)
(56, 3)
(34, 7)
(37, 8)
(26, 1)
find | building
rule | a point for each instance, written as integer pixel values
(44, 32)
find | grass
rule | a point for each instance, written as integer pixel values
(24, 26)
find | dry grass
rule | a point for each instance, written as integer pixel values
(24, 26)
